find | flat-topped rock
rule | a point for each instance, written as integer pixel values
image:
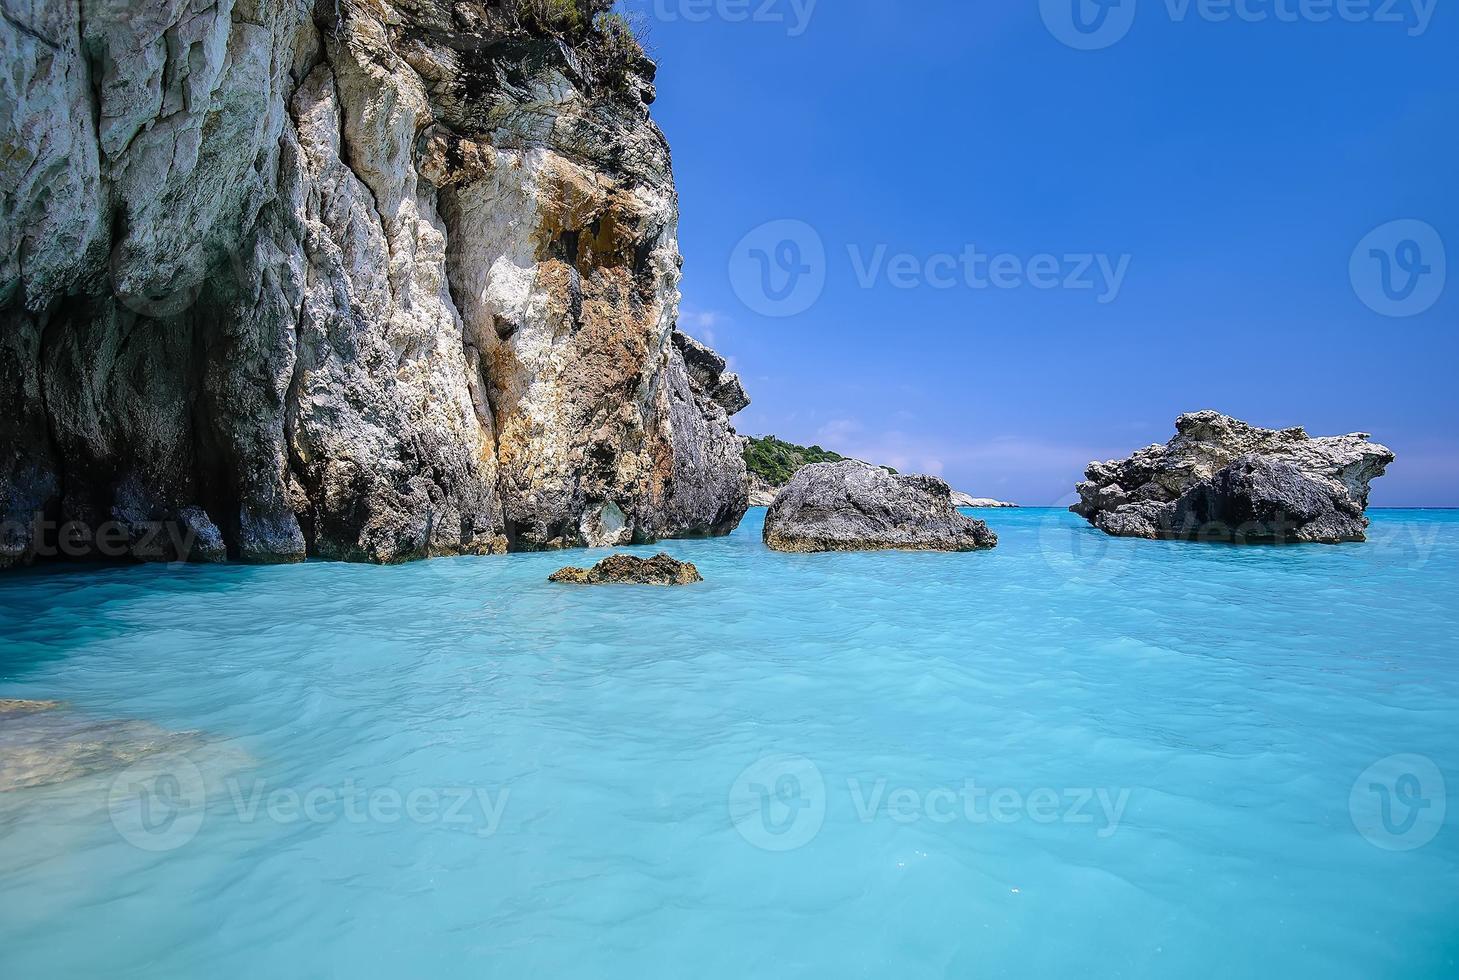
(631, 570)
(854, 506)
(960, 499)
(1221, 479)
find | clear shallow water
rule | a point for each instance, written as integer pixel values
(766, 775)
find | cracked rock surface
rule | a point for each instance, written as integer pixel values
(1221, 479)
(374, 280)
(854, 506)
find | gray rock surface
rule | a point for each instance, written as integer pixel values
(357, 281)
(631, 570)
(854, 506)
(1221, 479)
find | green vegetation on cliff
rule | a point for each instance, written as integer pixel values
(603, 37)
(564, 17)
(775, 460)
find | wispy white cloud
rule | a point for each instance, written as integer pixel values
(893, 448)
(839, 431)
(701, 323)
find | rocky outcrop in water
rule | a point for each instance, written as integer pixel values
(1221, 479)
(364, 281)
(631, 570)
(854, 506)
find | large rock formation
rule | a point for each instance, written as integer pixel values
(367, 280)
(1220, 479)
(854, 506)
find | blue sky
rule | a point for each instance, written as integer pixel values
(1177, 220)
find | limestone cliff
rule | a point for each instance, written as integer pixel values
(362, 279)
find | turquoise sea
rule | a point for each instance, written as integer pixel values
(1074, 756)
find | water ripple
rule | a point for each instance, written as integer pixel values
(514, 778)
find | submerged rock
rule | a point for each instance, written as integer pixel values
(41, 744)
(854, 506)
(1221, 479)
(631, 570)
(11, 706)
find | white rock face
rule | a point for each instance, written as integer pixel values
(960, 499)
(369, 281)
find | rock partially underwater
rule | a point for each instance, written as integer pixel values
(854, 506)
(631, 570)
(43, 744)
(1221, 479)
